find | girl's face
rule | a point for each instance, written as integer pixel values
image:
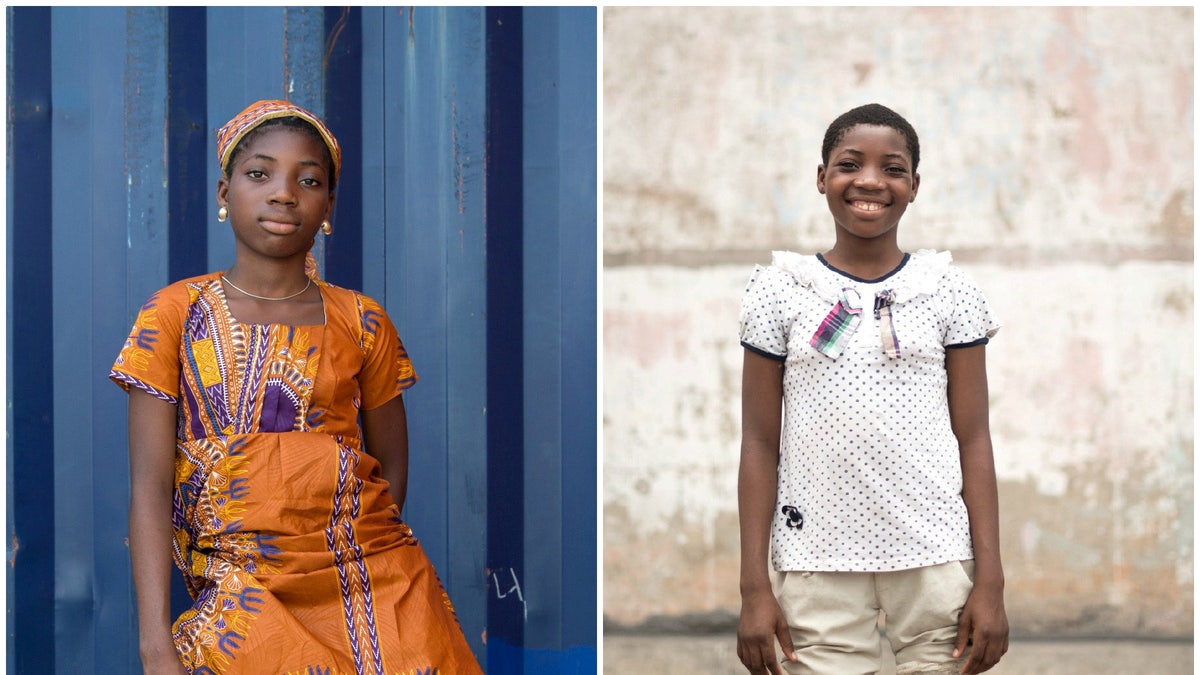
(277, 193)
(869, 181)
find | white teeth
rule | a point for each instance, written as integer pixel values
(868, 206)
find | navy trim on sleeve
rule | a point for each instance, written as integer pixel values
(760, 352)
(964, 345)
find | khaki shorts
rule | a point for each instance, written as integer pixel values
(834, 616)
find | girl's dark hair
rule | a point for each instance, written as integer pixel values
(873, 114)
(288, 123)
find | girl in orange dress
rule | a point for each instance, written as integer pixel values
(249, 466)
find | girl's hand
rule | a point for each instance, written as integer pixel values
(167, 664)
(761, 624)
(166, 669)
(984, 623)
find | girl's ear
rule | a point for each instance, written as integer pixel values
(329, 209)
(821, 178)
(916, 184)
(222, 192)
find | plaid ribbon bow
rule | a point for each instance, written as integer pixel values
(840, 324)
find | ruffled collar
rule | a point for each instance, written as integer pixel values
(920, 275)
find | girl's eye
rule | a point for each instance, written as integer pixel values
(310, 182)
(255, 173)
(847, 165)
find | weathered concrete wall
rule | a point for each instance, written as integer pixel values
(1057, 164)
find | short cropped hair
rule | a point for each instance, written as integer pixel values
(876, 115)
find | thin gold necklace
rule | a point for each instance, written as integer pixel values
(260, 297)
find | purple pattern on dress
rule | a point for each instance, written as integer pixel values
(196, 423)
(351, 561)
(138, 384)
(279, 409)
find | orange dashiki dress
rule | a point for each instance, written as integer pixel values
(293, 551)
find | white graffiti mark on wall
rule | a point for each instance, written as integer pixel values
(515, 588)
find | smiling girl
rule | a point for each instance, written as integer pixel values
(866, 472)
(249, 466)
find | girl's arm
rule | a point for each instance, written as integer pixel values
(983, 618)
(762, 620)
(385, 432)
(152, 478)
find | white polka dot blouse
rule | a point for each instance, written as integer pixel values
(869, 472)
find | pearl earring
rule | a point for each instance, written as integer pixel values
(326, 228)
(222, 214)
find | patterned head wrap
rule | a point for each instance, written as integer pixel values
(244, 122)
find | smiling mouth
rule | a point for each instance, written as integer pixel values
(867, 206)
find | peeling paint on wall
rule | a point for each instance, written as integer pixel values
(1027, 116)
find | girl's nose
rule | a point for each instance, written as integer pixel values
(869, 178)
(283, 193)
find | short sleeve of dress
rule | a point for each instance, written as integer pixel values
(387, 371)
(970, 320)
(764, 322)
(149, 360)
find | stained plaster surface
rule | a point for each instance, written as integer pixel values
(1056, 165)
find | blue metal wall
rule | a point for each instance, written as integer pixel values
(467, 206)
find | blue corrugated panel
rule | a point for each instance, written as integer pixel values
(423, 243)
(30, 466)
(246, 58)
(508, 606)
(143, 236)
(90, 186)
(560, 327)
(542, 425)
(190, 206)
(343, 114)
(487, 270)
